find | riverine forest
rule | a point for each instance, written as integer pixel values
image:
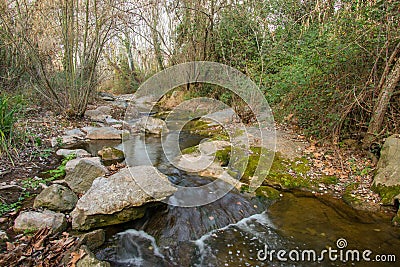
(199, 133)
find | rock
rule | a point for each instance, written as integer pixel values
(93, 239)
(119, 198)
(34, 220)
(387, 179)
(111, 121)
(81, 177)
(111, 154)
(100, 114)
(75, 133)
(105, 110)
(104, 133)
(79, 153)
(3, 236)
(72, 163)
(123, 104)
(106, 96)
(388, 168)
(66, 141)
(89, 260)
(56, 197)
(152, 125)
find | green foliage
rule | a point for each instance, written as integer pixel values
(10, 110)
(5, 207)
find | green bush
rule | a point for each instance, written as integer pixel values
(10, 110)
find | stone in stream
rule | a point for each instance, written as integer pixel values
(81, 177)
(94, 239)
(111, 154)
(79, 153)
(103, 133)
(56, 197)
(119, 198)
(387, 178)
(89, 259)
(152, 125)
(34, 220)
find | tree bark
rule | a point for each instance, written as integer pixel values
(381, 105)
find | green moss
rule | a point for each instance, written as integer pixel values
(396, 219)
(387, 193)
(268, 192)
(300, 166)
(223, 156)
(348, 196)
(329, 179)
(191, 150)
(195, 125)
(278, 174)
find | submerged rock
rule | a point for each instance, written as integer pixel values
(119, 198)
(111, 154)
(34, 220)
(56, 197)
(81, 177)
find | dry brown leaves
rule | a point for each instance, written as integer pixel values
(42, 249)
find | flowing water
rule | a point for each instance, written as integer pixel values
(238, 229)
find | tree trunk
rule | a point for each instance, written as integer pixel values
(381, 105)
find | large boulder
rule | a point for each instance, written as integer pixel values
(119, 198)
(33, 221)
(388, 168)
(81, 177)
(152, 125)
(387, 177)
(56, 197)
(103, 133)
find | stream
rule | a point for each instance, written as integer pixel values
(239, 228)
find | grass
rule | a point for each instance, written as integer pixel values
(10, 110)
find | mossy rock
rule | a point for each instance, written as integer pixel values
(348, 197)
(387, 193)
(191, 150)
(111, 154)
(278, 174)
(268, 192)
